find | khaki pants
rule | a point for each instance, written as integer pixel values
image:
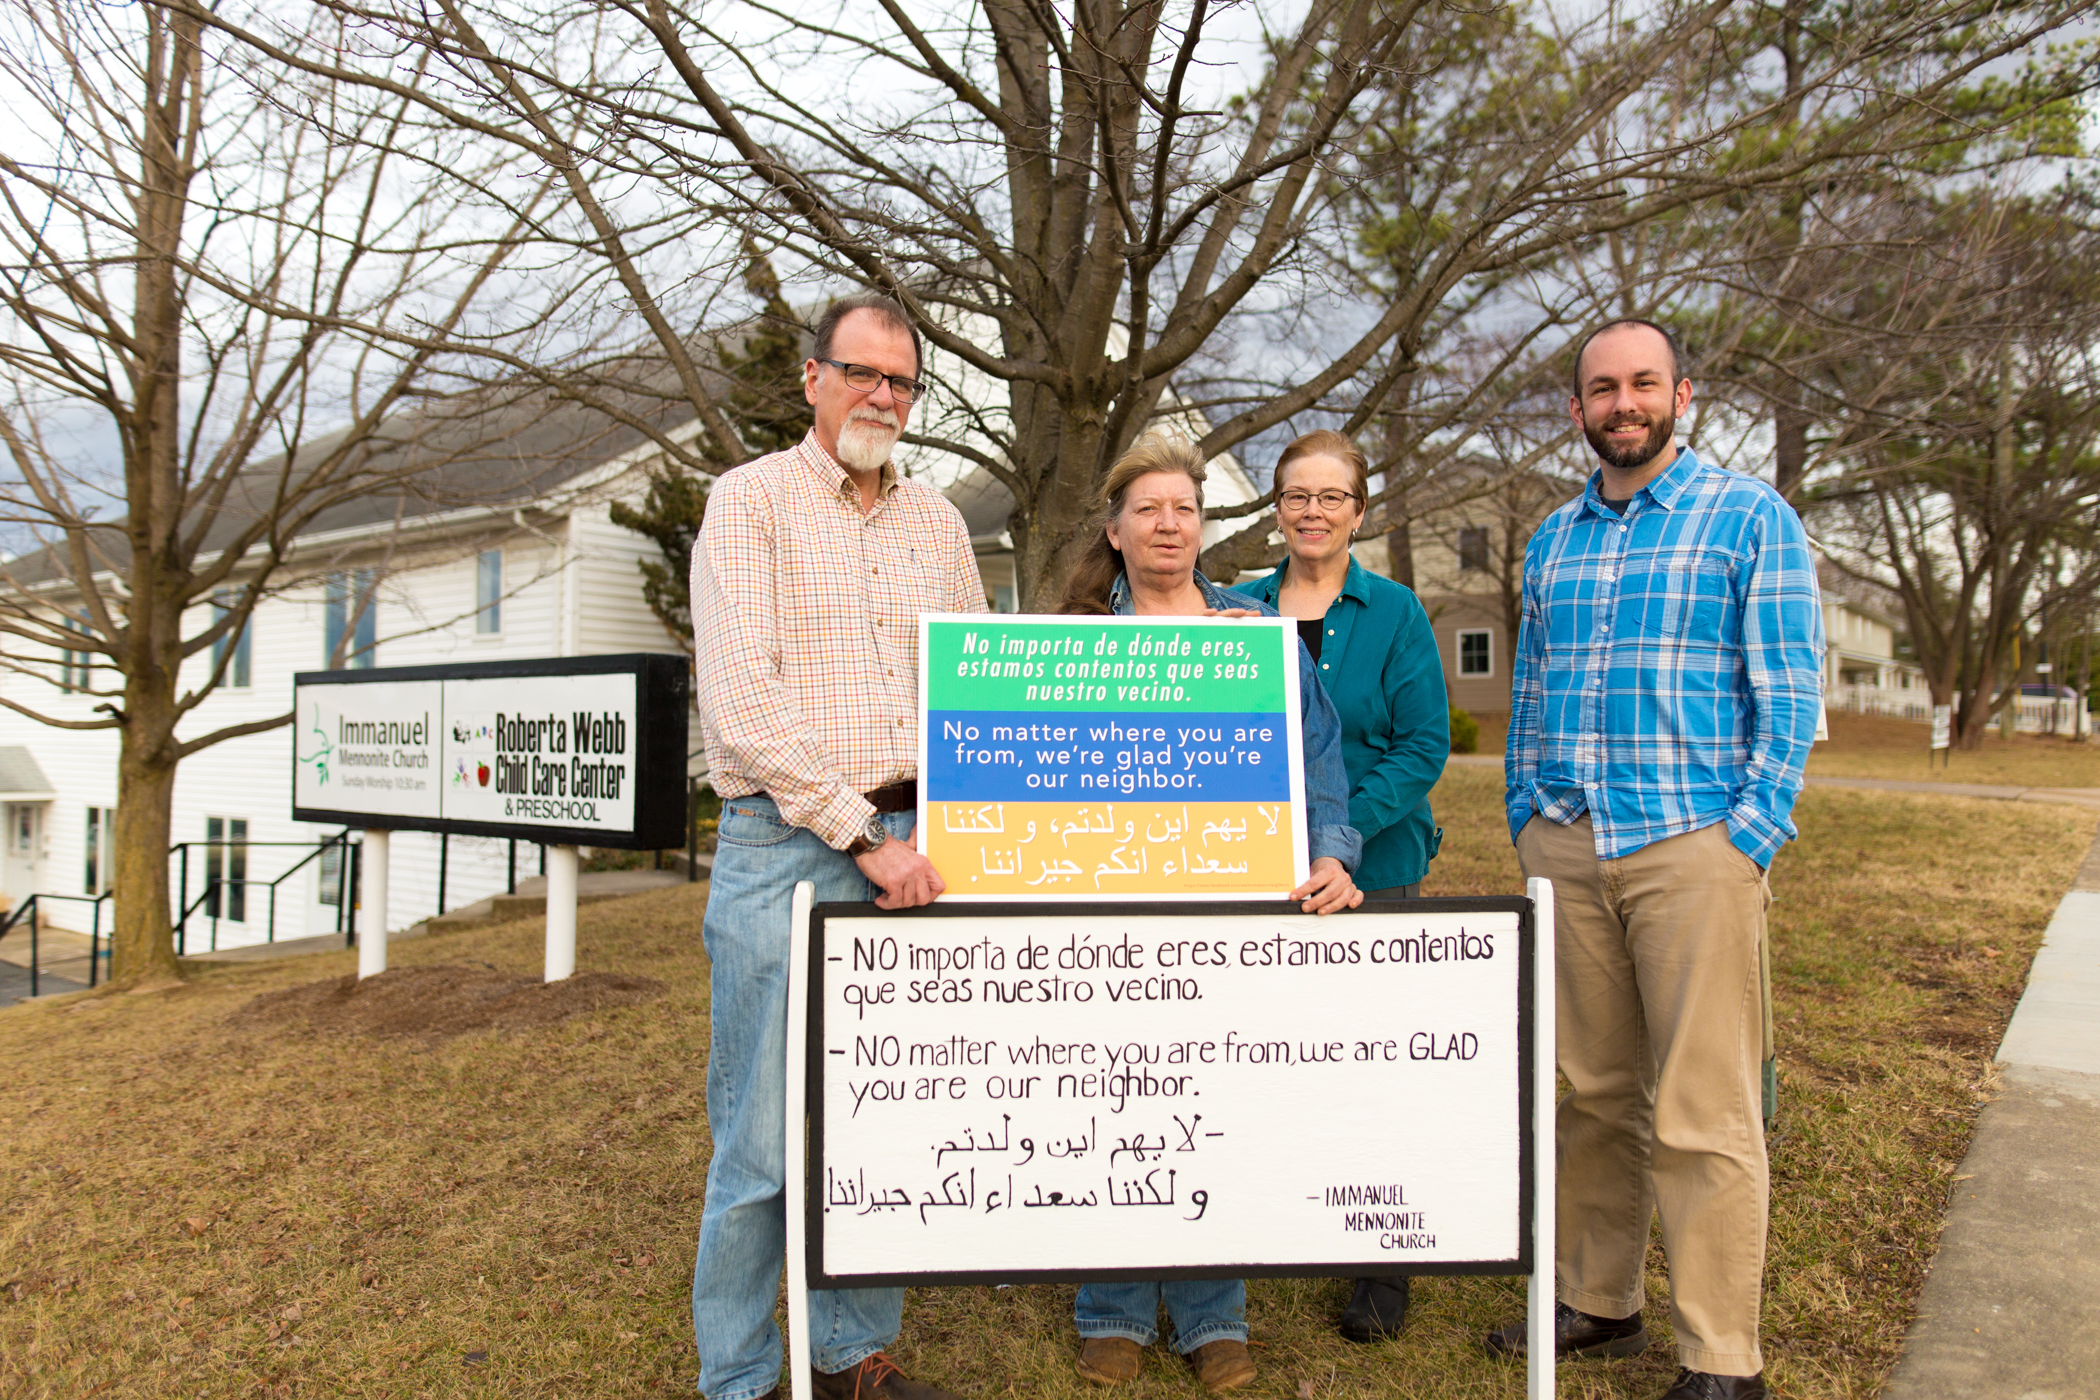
(1661, 1036)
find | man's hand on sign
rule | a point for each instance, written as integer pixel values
(1327, 888)
(907, 878)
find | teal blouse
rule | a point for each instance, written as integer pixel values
(1380, 666)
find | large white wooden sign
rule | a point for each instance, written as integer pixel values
(1022, 1093)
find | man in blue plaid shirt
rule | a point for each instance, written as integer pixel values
(1665, 693)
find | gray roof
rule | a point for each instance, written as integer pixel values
(20, 776)
(506, 445)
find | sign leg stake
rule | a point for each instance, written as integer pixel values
(562, 865)
(797, 1142)
(371, 940)
(1539, 1351)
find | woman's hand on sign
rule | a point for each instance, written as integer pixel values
(907, 879)
(1230, 612)
(1327, 888)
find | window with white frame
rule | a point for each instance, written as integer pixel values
(488, 593)
(237, 672)
(226, 868)
(1476, 652)
(1473, 548)
(78, 668)
(22, 830)
(331, 877)
(99, 874)
(351, 608)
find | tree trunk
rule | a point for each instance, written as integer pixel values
(142, 945)
(1400, 552)
(1789, 449)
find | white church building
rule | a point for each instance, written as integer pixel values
(535, 568)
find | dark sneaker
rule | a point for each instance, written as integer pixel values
(1575, 1334)
(876, 1378)
(1110, 1360)
(1698, 1385)
(1377, 1309)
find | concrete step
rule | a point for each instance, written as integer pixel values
(530, 902)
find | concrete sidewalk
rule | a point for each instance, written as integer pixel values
(2011, 1308)
(2012, 1305)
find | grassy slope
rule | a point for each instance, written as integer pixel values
(1870, 746)
(187, 1208)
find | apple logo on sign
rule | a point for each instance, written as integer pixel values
(481, 771)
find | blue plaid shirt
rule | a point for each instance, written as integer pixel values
(1669, 667)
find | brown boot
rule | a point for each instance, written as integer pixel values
(875, 1378)
(1110, 1360)
(1223, 1364)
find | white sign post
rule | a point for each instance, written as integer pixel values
(562, 751)
(1545, 1098)
(1942, 727)
(371, 939)
(1028, 1093)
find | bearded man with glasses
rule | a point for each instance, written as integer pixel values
(809, 576)
(1667, 682)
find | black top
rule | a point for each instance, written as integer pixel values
(1310, 630)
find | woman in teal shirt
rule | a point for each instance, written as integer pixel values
(1371, 644)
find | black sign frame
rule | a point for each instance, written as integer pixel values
(663, 699)
(1527, 1146)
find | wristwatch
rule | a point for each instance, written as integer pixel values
(871, 836)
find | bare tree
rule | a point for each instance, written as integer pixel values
(1964, 452)
(1772, 271)
(1083, 212)
(241, 320)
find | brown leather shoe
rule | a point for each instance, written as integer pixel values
(1110, 1360)
(875, 1378)
(1223, 1364)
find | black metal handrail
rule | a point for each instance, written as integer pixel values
(28, 909)
(217, 886)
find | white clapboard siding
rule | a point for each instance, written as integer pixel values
(609, 585)
(571, 588)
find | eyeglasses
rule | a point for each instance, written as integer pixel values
(862, 379)
(1295, 501)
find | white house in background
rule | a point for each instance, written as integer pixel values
(536, 568)
(532, 567)
(1861, 672)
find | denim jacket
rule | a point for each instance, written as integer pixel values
(1326, 780)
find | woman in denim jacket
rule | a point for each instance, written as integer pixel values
(1142, 562)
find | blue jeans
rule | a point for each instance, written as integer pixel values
(1203, 1310)
(743, 1228)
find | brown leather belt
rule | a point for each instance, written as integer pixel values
(895, 797)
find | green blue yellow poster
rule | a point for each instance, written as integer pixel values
(1111, 757)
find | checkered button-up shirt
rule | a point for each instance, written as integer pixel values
(1669, 666)
(806, 631)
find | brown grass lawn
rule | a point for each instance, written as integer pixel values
(1870, 746)
(191, 1207)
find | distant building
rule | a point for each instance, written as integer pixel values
(536, 570)
(1861, 672)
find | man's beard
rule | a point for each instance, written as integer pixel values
(866, 439)
(1660, 432)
